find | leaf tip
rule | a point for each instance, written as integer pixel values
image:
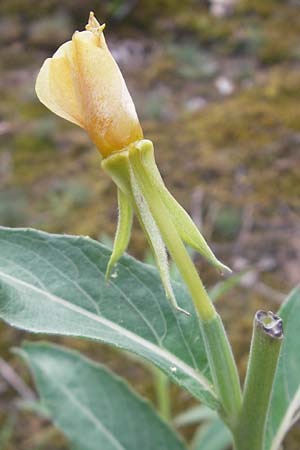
(223, 269)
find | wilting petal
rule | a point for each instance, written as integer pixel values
(55, 87)
(83, 84)
(109, 112)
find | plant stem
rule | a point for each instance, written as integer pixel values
(223, 369)
(162, 388)
(265, 347)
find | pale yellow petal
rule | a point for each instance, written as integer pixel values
(55, 87)
(109, 112)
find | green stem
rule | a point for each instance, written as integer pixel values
(224, 371)
(162, 388)
(265, 347)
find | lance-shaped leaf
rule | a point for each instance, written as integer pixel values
(285, 403)
(95, 409)
(56, 284)
(213, 436)
(194, 415)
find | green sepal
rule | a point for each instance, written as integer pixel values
(117, 166)
(154, 239)
(185, 226)
(134, 167)
(123, 231)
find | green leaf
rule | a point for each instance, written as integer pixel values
(196, 414)
(56, 284)
(95, 409)
(285, 402)
(34, 406)
(213, 436)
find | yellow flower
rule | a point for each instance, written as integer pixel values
(83, 84)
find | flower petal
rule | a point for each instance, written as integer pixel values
(109, 112)
(55, 87)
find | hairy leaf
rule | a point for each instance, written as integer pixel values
(56, 284)
(213, 436)
(285, 403)
(194, 415)
(95, 409)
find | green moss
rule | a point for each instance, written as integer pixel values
(207, 28)
(228, 222)
(267, 29)
(281, 33)
(263, 8)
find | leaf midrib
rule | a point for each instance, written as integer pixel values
(117, 444)
(163, 353)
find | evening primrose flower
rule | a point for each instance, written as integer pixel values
(83, 84)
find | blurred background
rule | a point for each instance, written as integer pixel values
(216, 85)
